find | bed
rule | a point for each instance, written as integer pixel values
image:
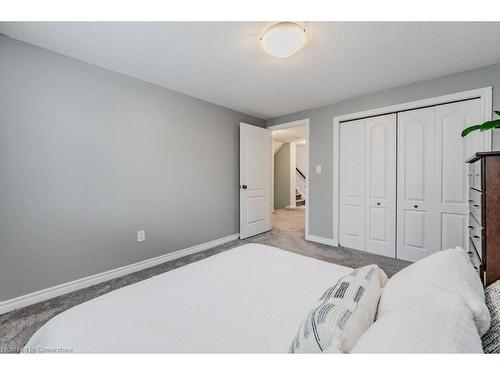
(249, 299)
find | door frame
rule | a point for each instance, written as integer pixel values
(483, 94)
(286, 125)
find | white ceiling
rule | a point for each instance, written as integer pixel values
(223, 62)
(293, 134)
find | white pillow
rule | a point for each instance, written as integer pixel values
(342, 314)
(437, 323)
(449, 272)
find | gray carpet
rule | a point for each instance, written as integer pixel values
(18, 326)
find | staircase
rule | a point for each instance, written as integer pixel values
(300, 183)
(300, 200)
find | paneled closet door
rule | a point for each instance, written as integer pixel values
(417, 236)
(432, 178)
(352, 185)
(450, 172)
(380, 226)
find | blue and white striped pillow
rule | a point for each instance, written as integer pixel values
(342, 314)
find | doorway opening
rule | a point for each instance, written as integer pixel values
(290, 177)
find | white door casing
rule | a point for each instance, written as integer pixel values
(293, 183)
(255, 180)
(380, 166)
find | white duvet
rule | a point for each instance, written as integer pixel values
(250, 299)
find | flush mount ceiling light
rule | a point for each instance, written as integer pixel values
(284, 39)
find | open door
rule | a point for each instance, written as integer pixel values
(255, 180)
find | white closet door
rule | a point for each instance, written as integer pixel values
(380, 226)
(464, 114)
(450, 172)
(352, 185)
(417, 236)
(432, 178)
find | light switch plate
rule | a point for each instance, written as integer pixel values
(141, 236)
(318, 169)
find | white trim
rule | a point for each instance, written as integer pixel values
(303, 122)
(484, 94)
(272, 179)
(321, 240)
(57, 290)
(293, 182)
(487, 101)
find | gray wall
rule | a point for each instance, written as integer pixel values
(88, 157)
(282, 177)
(321, 131)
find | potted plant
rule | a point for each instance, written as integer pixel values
(493, 124)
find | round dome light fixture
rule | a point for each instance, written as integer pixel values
(284, 39)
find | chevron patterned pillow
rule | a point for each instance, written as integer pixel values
(342, 314)
(491, 339)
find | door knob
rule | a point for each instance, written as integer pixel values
(415, 206)
(378, 203)
(244, 186)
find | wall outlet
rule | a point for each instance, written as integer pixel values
(141, 236)
(318, 169)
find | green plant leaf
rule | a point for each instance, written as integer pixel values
(470, 129)
(490, 125)
(493, 124)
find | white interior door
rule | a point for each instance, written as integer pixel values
(465, 114)
(255, 180)
(380, 226)
(432, 178)
(352, 185)
(451, 171)
(416, 234)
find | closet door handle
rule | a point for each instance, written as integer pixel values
(378, 203)
(475, 205)
(415, 206)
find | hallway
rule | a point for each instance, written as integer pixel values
(289, 219)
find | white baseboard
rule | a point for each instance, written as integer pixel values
(57, 290)
(322, 240)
